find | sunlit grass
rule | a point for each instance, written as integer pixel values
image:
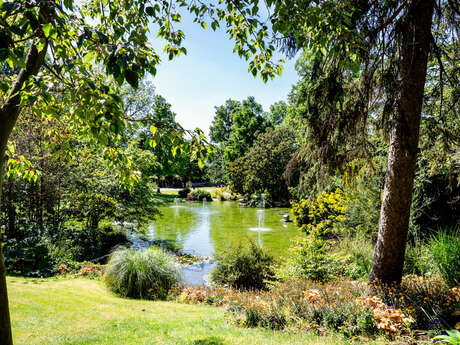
(79, 311)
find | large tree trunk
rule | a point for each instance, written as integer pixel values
(9, 112)
(388, 260)
(5, 323)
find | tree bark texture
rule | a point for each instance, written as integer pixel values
(387, 266)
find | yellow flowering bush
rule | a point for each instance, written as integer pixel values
(323, 216)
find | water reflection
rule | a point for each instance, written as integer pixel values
(207, 228)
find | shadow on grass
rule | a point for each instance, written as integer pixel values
(208, 341)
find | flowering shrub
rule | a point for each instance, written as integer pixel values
(91, 271)
(427, 301)
(294, 303)
(389, 320)
(322, 216)
(83, 269)
(340, 305)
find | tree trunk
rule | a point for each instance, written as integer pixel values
(9, 112)
(387, 266)
(5, 323)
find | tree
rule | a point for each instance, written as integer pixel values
(367, 60)
(277, 113)
(64, 59)
(247, 121)
(261, 168)
(221, 125)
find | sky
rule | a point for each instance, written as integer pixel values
(210, 74)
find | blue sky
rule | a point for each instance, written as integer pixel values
(210, 74)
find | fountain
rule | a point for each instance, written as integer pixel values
(176, 203)
(260, 222)
(262, 200)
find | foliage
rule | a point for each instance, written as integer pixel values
(222, 194)
(363, 182)
(215, 167)
(199, 195)
(427, 300)
(261, 169)
(311, 258)
(323, 216)
(435, 201)
(295, 304)
(86, 243)
(167, 323)
(419, 260)
(247, 122)
(445, 248)
(360, 251)
(243, 267)
(142, 274)
(81, 269)
(183, 193)
(221, 125)
(29, 256)
(278, 111)
(388, 319)
(452, 337)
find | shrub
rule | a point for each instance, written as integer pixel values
(86, 244)
(323, 216)
(360, 250)
(199, 195)
(243, 267)
(29, 257)
(142, 274)
(418, 260)
(311, 258)
(427, 300)
(222, 194)
(292, 303)
(445, 248)
(183, 193)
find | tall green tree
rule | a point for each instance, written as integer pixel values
(247, 121)
(63, 57)
(368, 60)
(261, 168)
(278, 111)
(221, 125)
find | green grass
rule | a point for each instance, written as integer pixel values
(79, 311)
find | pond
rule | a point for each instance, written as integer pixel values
(208, 228)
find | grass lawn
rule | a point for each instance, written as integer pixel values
(80, 311)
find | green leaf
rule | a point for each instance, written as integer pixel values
(150, 11)
(46, 29)
(131, 77)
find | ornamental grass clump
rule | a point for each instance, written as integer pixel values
(147, 274)
(445, 248)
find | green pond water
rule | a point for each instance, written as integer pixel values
(207, 228)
